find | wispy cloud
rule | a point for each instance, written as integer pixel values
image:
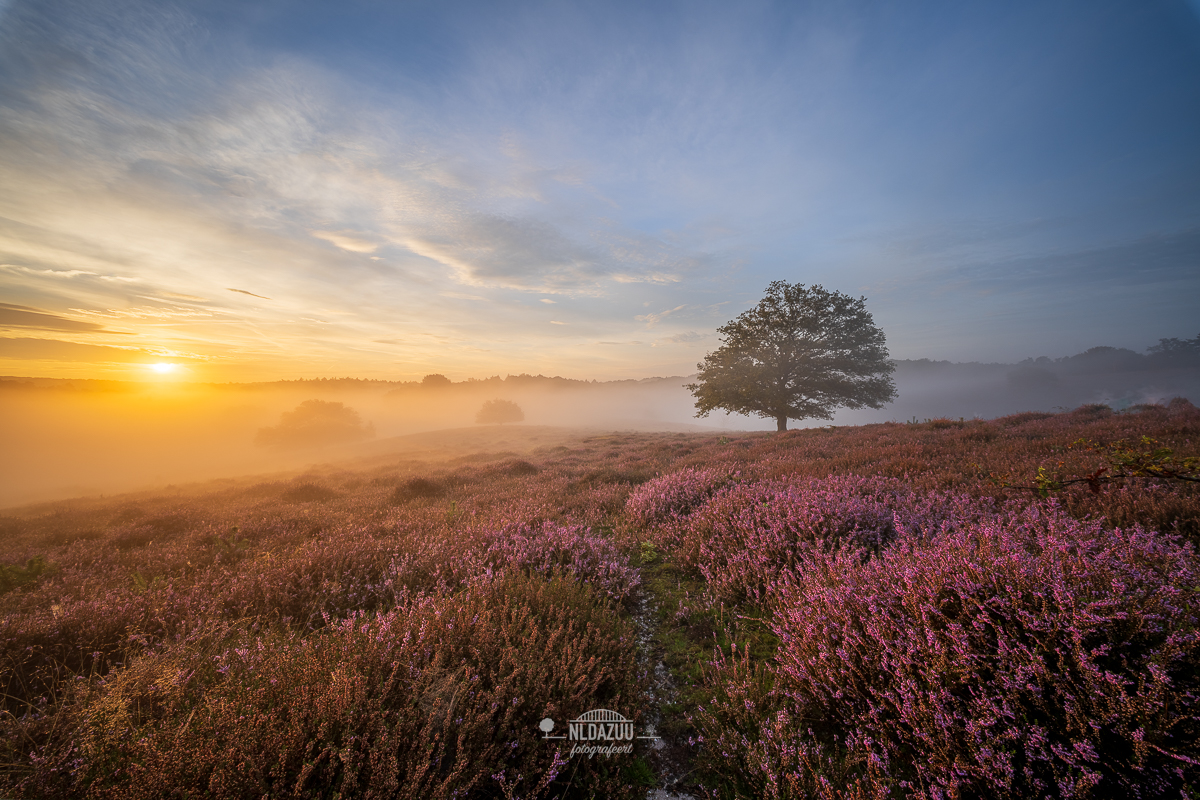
(347, 240)
(59, 350)
(13, 316)
(653, 319)
(687, 337)
(252, 294)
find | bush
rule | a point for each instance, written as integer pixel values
(1013, 657)
(497, 412)
(564, 550)
(316, 423)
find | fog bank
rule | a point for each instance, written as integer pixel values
(70, 438)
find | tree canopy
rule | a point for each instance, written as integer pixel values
(799, 354)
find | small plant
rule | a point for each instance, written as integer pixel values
(231, 547)
(14, 577)
(993, 660)
(143, 584)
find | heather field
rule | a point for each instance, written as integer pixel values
(940, 609)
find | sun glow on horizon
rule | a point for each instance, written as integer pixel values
(163, 368)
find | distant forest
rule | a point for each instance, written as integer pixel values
(1032, 373)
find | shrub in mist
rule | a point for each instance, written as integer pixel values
(1030, 655)
(497, 412)
(415, 488)
(314, 423)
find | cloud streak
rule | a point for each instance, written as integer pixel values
(13, 316)
(252, 294)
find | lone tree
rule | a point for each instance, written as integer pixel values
(799, 354)
(499, 412)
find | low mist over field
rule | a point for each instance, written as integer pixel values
(92, 437)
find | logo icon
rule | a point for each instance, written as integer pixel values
(599, 731)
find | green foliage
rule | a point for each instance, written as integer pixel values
(231, 547)
(799, 354)
(14, 577)
(639, 773)
(145, 583)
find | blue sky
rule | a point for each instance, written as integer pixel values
(260, 190)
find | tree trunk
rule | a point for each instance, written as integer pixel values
(781, 423)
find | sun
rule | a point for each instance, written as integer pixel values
(163, 369)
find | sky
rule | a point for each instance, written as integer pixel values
(262, 190)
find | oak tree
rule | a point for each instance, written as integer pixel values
(799, 354)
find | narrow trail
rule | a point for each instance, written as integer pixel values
(668, 758)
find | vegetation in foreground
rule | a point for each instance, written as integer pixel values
(851, 612)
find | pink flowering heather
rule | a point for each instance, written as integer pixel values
(1024, 656)
(572, 550)
(440, 697)
(746, 537)
(669, 497)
